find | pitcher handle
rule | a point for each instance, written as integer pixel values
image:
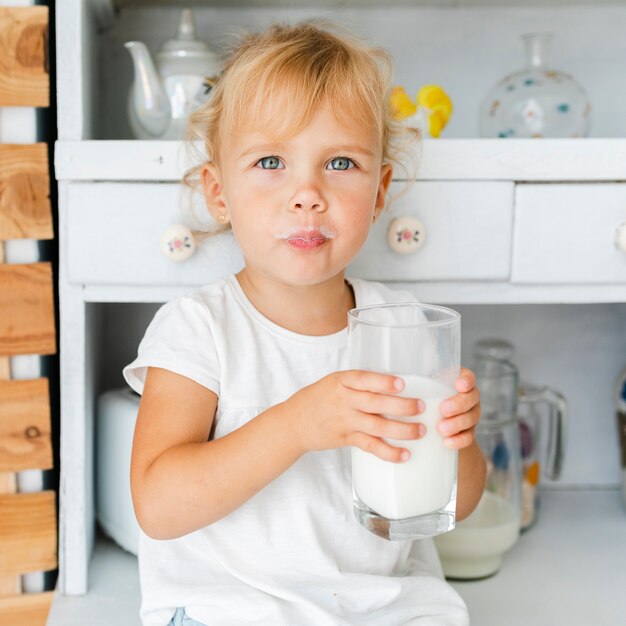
(558, 425)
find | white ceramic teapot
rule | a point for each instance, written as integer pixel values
(161, 98)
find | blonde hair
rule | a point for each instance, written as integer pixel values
(300, 66)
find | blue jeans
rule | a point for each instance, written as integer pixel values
(182, 619)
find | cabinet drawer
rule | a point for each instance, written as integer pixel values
(467, 226)
(113, 233)
(566, 233)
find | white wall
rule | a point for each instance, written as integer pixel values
(577, 349)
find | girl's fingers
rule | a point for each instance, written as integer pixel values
(465, 381)
(460, 403)
(362, 380)
(450, 426)
(380, 448)
(379, 403)
(379, 426)
(461, 440)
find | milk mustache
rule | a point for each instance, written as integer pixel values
(422, 484)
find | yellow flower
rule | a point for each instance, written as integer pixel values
(438, 107)
(401, 104)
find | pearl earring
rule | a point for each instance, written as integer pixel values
(222, 218)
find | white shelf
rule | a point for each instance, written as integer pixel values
(568, 569)
(441, 159)
(358, 3)
(441, 292)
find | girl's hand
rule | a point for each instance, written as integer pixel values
(347, 408)
(461, 413)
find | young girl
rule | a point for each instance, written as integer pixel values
(241, 466)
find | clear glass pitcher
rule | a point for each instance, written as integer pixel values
(475, 548)
(540, 410)
(421, 344)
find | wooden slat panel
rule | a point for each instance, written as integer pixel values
(10, 584)
(25, 211)
(28, 533)
(8, 482)
(26, 309)
(25, 425)
(5, 361)
(24, 77)
(29, 609)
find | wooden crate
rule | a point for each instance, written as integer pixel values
(28, 526)
(25, 192)
(24, 74)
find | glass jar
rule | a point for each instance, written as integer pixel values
(536, 101)
(539, 409)
(475, 548)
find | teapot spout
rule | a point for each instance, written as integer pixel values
(149, 106)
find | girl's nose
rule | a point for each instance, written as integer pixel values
(308, 199)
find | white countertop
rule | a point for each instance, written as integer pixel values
(568, 570)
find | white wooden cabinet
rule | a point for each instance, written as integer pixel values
(507, 221)
(467, 233)
(571, 230)
(114, 232)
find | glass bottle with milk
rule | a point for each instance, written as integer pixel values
(476, 547)
(421, 344)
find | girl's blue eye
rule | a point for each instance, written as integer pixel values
(341, 163)
(269, 163)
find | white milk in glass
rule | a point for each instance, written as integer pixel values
(422, 484)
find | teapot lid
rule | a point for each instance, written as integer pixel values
(185, 44)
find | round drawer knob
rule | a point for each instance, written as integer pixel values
(620, 237)
(177, 243)
(406, 234)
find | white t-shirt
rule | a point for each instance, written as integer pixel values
(292, 555)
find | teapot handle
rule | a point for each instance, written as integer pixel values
(558, 425)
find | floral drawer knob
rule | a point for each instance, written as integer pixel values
(177, 243)
(406, 234)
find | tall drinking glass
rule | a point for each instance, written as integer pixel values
(420, 343)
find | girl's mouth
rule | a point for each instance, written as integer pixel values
(306, 243)
(307, 238)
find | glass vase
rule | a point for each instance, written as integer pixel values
(536, 101)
